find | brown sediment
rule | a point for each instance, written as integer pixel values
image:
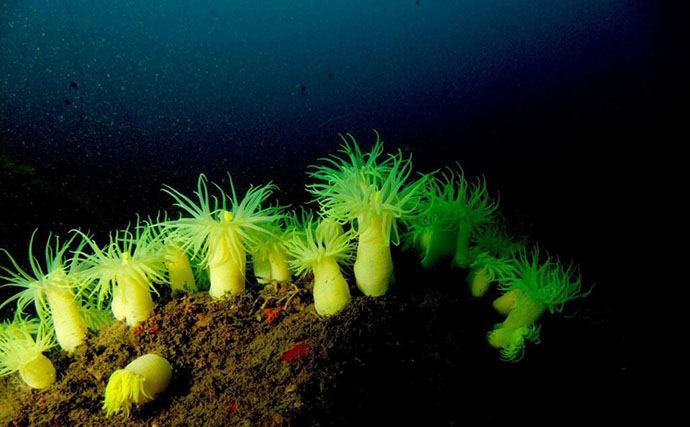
(237, 362)
(417, 356)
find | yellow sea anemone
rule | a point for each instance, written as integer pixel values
(373, 195)
(138, 383)
(220, 234)
(180, 272)
(126, 268)
(269, 255)
(52, 291)
(321, 250)
(22, 344)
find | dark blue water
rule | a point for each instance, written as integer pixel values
(136, 93)
(101, 102)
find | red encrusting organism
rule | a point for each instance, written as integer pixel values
(272, 314)
(154, 328)
(296, 353)
(232, 406)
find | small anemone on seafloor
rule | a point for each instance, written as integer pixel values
(322, 250)
(138, 383)
(22, 344)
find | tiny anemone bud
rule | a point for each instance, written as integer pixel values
(22, 343)
(139, 382)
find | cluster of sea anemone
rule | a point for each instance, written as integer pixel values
(366, 202)
(457, 225)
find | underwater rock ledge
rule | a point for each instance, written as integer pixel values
(408, 356)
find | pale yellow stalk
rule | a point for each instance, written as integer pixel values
(374, 264)
(262, 267)
(118, 304)
(280, 269)
(227, 264)
(331, 293)
(138, 301)
(179, 269)
(70, 326)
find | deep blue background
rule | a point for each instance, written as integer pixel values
(563, 105)
(517, 90)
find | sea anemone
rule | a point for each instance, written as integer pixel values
(450, 213)
(180, 272)
(513, 341)
(220, 234)
(321, 250)
(51, 290)
(491, 257)
(372, 195)
(22, 344)
(269, 255)
(139, 382)
(531, 289)
(433, 231)
(126, 268)
(474, 207)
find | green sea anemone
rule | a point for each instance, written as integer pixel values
(321, 250)
(373, 195)
(491, 257)
(126, 268)
(51, 290)
(433, 231)
(474, 207)
(22, 344)
(513, 341)
(532, 288)
(220, 234)
(450, 213)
